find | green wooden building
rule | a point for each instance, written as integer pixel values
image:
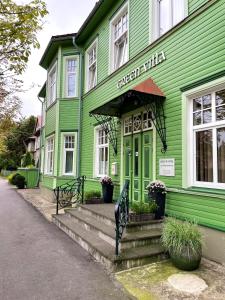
(152, 73)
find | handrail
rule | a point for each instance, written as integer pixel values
(122, 213)
(69, 193)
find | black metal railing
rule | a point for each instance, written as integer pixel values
(69, 193)
(122, 214)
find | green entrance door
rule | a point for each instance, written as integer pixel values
(138, 163)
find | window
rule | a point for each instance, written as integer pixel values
(138, 122)
(49, 155)
(167, 13)
(119, 38)
(91, 59)
(68, 154)
(71, 77)
(52, 85)
(101, 155)
(208, 134)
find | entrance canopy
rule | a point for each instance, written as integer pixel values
(140, 95)
(146, 94)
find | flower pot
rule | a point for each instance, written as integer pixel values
(185, 263)
(136, 218)
(107, 193)
(160, 200)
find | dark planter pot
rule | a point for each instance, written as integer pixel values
(94, 200)
(107, 193)
(136, 218)
(160, 200)
(184, 263)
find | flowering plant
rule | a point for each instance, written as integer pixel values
(106, 180)
(156, 186)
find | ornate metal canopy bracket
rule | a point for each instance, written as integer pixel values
(158, 118)
(109, 125)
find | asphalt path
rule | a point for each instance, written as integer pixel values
(38, 261)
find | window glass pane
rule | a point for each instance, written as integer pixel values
(136, 159)
(101, 161)
(69, 162)
(71, 85)
(207, 116)
(164, 16)
(206, 101)
(178, 11)
(221, 154)
(220, 97)
(127, 162)
(220, 113)
(197, 104)
(204, 156)
(197, 118)
(137, 123)
(146, 162)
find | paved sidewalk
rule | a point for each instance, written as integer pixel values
(39, 262)
(34, 197)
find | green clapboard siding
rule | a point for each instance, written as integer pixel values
(50, 122)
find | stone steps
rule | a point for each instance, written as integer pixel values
(94, 229)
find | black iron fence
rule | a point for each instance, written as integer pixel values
(122, 214)
(69, 193)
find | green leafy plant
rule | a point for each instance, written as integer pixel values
(12, 177)
(140, 207)
(182, 238)
(92, 194)
(20, 181)
(27, 159)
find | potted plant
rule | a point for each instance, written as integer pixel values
(93, 197)
(107, 189)
(142, 211)
(183, 241)
(20, 181)
(157, 191)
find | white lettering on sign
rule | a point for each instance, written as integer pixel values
(167, 167)
(155, 60)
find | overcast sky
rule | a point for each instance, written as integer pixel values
(64, 17)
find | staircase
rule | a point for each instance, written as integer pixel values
(93, 227)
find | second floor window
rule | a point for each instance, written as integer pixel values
(171, 12)
(92, 66)
(52, 85)
(71, 77)
(119, 34)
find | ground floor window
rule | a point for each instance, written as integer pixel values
(208, 135)
(68, 154)
(101, 153)
(49, 155)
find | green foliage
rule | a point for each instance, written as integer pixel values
(27, 160)
(20, 181)
(19, 25)
(140, 207)
(12, 178)
(92, 194)
(182, 238)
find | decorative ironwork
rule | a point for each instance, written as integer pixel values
(122, 214)
(109, 125)
(69, 193)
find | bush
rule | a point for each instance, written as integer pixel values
(20, 181)
(92, 194)
(27, 160)
(140, 207)
(182, 238)
(12, 178)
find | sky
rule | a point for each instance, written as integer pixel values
(65, 16)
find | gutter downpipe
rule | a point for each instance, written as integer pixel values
(39, 169)
(80, 107)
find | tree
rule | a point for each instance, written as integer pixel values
(19, 25)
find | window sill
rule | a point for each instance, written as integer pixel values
(207, 192)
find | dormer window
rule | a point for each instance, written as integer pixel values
(119, 38)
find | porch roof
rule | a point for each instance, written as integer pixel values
(140, 95)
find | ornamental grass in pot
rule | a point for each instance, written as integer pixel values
(183, 241)
(142, 211)
(93, 197)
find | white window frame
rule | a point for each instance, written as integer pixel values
(96, 153)
(88, 66)
(66, 59)
(188, 140)
(155, 17)
(48, 172)
(63, 165)
(118, 15)
(52, 98)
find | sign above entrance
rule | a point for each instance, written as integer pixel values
(155, 60)
(167, 167)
